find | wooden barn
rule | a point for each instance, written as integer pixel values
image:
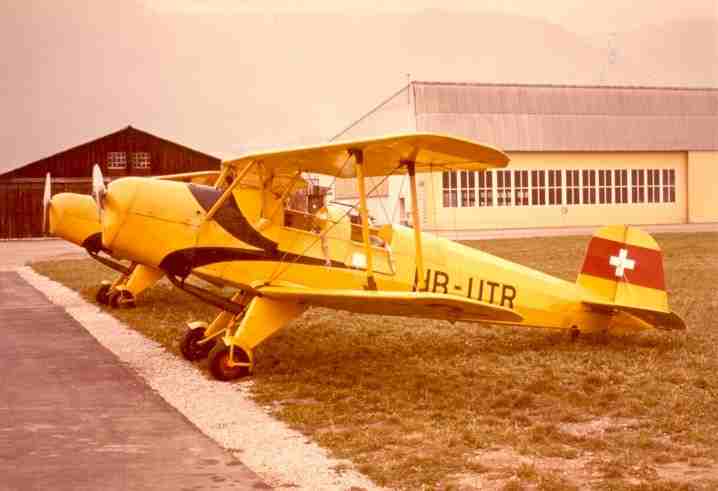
(127, 152)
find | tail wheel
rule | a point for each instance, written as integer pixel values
(190, 347)
(219, 363)
(102, 295)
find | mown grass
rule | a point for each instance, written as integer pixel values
(417, 404)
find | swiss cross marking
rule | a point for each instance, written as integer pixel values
(622, 263)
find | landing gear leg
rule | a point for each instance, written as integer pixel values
(123, 291)
(198, 341)
(233, 357)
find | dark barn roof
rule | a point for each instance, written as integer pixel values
(166, 156)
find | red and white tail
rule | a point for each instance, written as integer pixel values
(623, 270)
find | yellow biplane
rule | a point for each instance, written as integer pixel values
(232, 228)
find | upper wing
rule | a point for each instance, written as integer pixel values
(206, 178)
(382, 156)
(408, 304)
(656, 318)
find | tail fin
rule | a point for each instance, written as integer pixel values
(623, 269)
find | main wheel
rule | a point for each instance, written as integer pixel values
(190, 347)
(219, 363)
(121, 298)
(102, 296)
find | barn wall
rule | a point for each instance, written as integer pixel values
(702, 178)
(21, 190)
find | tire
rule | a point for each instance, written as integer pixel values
(121, 298)
(102, 296)
(219, 359)
(190, 348)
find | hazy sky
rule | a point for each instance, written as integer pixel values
(226, 75)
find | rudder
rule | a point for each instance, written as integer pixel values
(624, 266)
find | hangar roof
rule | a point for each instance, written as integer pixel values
(570, 118)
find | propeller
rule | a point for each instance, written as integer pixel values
(46, 197)
(98, 189)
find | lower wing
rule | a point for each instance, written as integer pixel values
(405, 304)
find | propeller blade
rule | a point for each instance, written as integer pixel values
(98, 188)
(46, 197)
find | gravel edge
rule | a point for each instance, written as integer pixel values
(282, 457)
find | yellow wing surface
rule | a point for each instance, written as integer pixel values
(206, 178)
(407, 304)
(382, 156)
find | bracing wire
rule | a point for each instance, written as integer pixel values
(279, 271)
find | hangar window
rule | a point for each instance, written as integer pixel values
(468, 188)
(588, 186)
(573, 187)
(605, 186)
(116, 160)
(669, 185)
(521, 187)
(486, 188)
(638, 183)
(141, 160)
(450, 189)
(653, 185)
(554, 187)
(620, 182)
(538, 187)
(503, 187)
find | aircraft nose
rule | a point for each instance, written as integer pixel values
(115, 208)
(73, 217)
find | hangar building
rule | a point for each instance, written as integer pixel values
(580, 156)
(129, 151)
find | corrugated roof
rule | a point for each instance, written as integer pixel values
(571, 118)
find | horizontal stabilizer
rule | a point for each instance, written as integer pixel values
(405, 304)
(659, 320)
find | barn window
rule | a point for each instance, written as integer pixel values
(620, 182)
(141, 160)
(538, 187)
(503, 187)
(450, 189)
(521, 187)
(605, 186)
(669, 185)
(638, 183)
(588, 186)
(116, 160)
(653, 185)
(573, 187)
(486, 185)
(468, 188)
(554, 187)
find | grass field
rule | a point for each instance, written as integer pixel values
(427, 404)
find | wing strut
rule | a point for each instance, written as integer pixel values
(416, 223)
(228, 192)
(359, 164)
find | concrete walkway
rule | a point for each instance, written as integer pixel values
(20, 252)
(73, 417)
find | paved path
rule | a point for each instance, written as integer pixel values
(72, 416)
(15, 253)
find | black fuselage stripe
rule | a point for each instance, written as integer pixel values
(230, 217)
(181, 262)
